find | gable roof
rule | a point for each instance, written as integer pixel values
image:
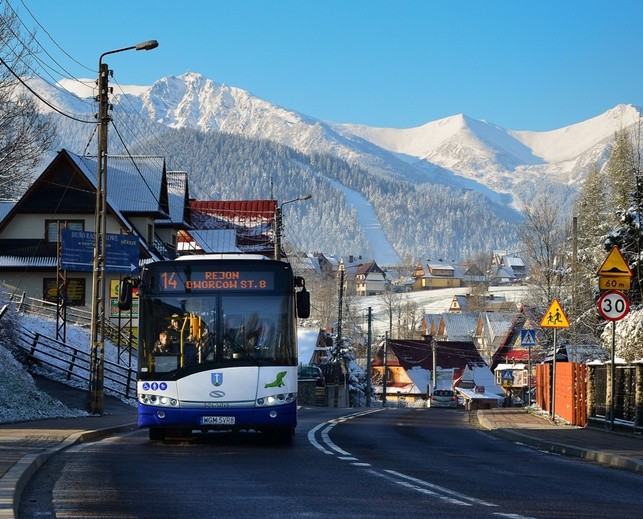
(178, 201)
(448, 354)
(459, 326)
(369, 268)
(247, 213)
(68, 184)
(135, 185)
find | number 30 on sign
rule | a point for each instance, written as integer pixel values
(613, 305)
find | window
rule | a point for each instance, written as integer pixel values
(51, 228)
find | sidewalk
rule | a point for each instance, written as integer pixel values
(26, 446)
(620, 450)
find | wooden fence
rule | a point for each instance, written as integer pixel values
(583, 392)
(571, 391)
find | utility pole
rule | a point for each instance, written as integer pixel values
(97, 352)
(97, 330)
(368, 359)
(340, 308)
(434, 345)
(277, 253)
(279, 221)
(385, 370)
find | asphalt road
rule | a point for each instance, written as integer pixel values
(344, 463)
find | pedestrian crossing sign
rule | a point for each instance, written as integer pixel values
(528, 337)
(554, 317)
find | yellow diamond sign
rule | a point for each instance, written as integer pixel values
(554, 317)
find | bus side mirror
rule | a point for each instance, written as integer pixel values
(125, 294)
(303, 298)
(303, 304)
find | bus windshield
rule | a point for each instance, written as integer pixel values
(193, 333)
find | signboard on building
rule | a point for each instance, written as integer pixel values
(121, 252)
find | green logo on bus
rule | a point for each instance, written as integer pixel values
(279, 380)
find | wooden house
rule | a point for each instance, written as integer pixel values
(138, 204)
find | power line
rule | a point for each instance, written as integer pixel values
(35, 56)
(54, 108)
(52, 39)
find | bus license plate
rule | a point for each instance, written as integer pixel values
(217, 420)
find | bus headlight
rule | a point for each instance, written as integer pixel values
(280, 399)
(160, 401)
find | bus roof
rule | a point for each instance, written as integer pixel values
(203, 257)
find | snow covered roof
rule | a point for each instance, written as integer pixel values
(134, 184)
(211, 241)
(178, 200)
(460, 326)
(5, 207)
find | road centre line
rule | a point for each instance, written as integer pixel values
(417, 488)
(441, 489)
(418, 485)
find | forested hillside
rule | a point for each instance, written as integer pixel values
(419, 220)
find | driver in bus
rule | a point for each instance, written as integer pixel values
(163, 346)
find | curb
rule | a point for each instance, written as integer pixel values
(600, 457)
(15, 480)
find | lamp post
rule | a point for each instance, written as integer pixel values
(97, 331)
(279, 222)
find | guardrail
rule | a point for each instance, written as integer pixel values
(73, 315)
(74, 363)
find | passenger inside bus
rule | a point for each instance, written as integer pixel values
(174, 331)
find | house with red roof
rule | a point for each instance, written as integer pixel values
(230, 226)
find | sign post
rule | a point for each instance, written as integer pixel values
(528, 339)
(613, 306)
(554, 318)
(614, 275)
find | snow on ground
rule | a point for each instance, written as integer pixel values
(384, 253)
(20, 398)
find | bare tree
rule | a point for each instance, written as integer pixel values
(25, 134)
(545, 235)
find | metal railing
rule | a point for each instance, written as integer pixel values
(74, 315)
(73, 363)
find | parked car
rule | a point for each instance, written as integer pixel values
(311, 372)
(442, 398)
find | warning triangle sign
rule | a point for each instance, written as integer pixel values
(615, 265)
(554, 317)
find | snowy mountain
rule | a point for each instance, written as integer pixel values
(507, 168)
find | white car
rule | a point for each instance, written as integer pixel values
(442, 398)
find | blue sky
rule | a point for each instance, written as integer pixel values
(522, 65)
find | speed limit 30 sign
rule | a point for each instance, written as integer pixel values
(613, 305)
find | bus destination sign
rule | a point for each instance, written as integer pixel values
(172, 280)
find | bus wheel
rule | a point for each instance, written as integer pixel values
(157, 434)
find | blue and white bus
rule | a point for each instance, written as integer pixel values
(230, 360)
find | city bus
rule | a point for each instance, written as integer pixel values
(229, 362)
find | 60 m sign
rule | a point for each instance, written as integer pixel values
(613, 305)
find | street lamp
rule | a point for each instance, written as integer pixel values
(279, 222)
(97, 331)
